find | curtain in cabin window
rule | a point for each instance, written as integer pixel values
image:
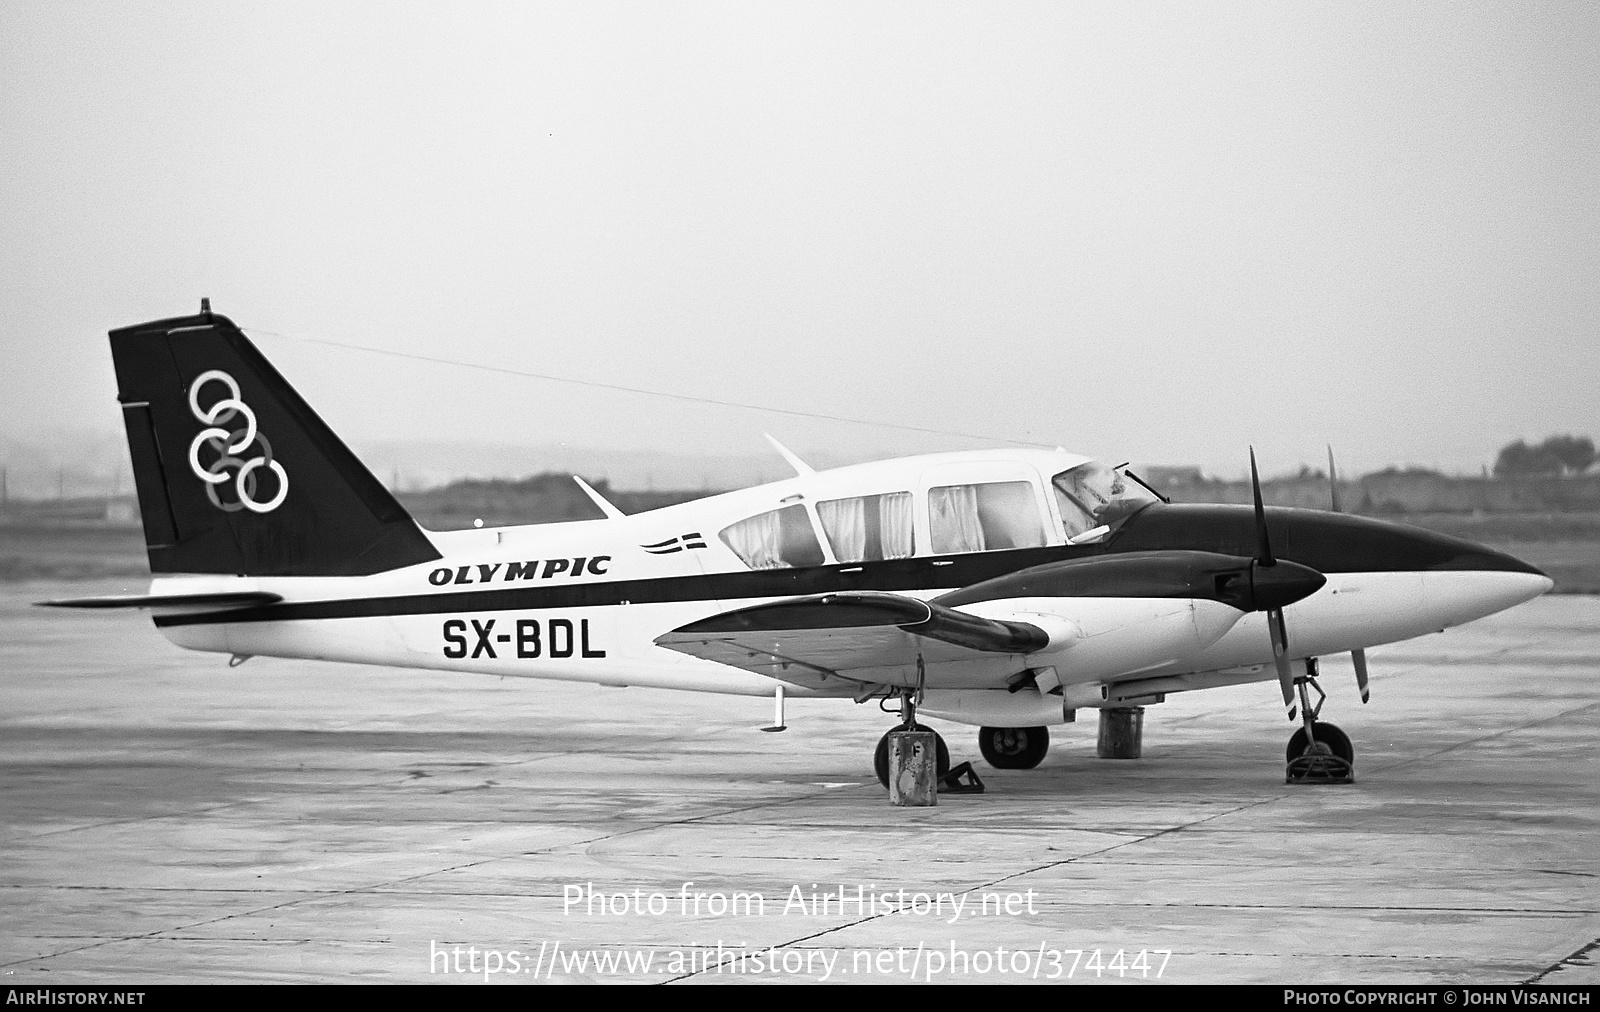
(870, 527)
(777, 540)
(845, 522)
(756, 541)
(895, 525)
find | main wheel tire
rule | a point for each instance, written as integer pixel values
(880, 757)
(1327, 734)
(1014, 748)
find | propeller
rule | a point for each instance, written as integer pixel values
(1333, 482)
(1357, 656)
(1265, 565)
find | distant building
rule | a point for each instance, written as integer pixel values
(1164, 476)
(123, 510)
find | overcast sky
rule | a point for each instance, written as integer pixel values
(1158, 232)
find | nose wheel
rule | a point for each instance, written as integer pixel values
(1319, 752)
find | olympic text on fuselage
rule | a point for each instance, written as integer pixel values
(487, 572)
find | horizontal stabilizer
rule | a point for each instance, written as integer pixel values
(231, 599)
(838, 633)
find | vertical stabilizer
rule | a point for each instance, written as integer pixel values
(236, 473)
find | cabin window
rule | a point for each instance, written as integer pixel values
(869, 528)
(984, 518)
(1093, 495)
(782, 539)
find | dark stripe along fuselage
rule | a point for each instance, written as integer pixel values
(1326, 542)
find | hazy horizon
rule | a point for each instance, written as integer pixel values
(97, 464)
(1162, 232)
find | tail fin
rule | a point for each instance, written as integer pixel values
(236, 474)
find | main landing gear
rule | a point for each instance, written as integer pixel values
(880, 756)
(1014, 748)
(1319, 753)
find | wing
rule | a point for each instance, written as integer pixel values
(859, 635)
(1132, 614)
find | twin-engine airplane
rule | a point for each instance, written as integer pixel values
(999, 588)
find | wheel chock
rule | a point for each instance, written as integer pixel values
(952, 782)
(1319, 769)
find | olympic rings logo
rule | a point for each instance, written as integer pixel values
(229, 444)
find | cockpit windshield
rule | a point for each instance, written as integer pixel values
(1093, 495)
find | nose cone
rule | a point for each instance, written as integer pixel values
(1466, 580)
(1459, 596)
(1487, 560)
(1476, 581)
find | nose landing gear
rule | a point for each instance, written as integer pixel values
(1319, 753)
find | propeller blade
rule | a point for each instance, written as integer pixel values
(1333, 482)
(1276, 627)
(1360, 658)
(1264, 549)
(1280, 657)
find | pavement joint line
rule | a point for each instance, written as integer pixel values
(1577, 958)
(139, 818)
(375, 782)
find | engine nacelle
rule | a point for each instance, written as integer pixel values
(1113, 637)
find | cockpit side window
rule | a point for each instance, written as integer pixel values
(984, 518)
(1093, 495)
(869, 528)
(781, 539)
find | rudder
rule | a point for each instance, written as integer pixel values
(236, 474)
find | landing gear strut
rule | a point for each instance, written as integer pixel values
(962, 779)
(1319, 753)
(908, 722)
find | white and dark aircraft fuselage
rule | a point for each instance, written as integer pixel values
(586, 601)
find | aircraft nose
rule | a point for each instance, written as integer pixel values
(1538, 584)
(1463, 595)
(1490, 560)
